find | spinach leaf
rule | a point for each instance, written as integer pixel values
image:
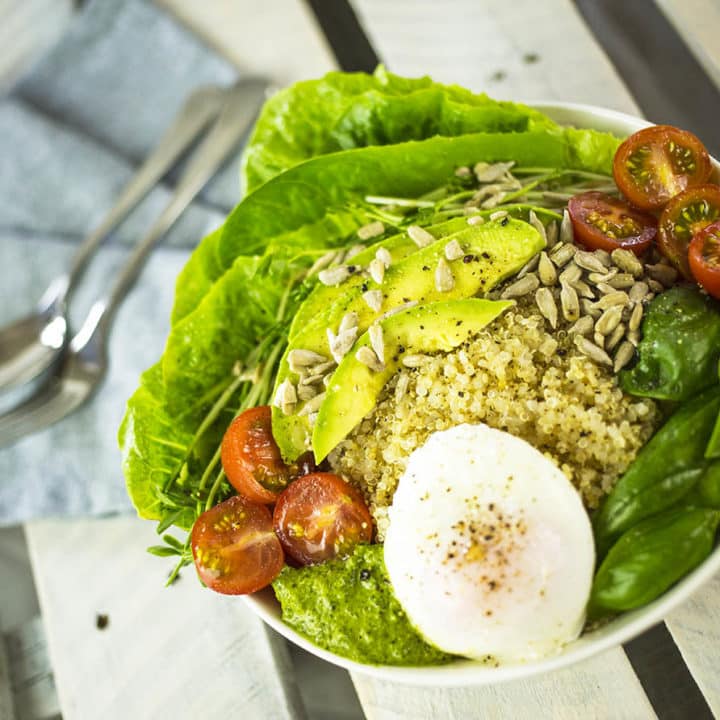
(341, 111)
(679, 352)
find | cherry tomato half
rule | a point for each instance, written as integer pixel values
(684, 217)
(601, 221)
(704, 257)
(235, 548)
(251, 458)
(319, 517)
(656, 163)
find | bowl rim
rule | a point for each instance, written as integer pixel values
(624, 628)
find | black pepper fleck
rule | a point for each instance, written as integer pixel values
(102, 621)
(365, 574)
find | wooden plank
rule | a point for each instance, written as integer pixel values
(695, 627)
(177, 652)
(601, 687)
(517, 50)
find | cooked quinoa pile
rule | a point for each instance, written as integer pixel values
(514, 376)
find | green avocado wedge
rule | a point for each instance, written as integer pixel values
(355, 388)
(493, 251)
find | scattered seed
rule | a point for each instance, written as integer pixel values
(589, 349)
(341, 343)
(312, 417)
(322, 262)
(327, 379)
(494, 200)
(444, 279)
(499, 215)
(453, 251)
(589, 261)
(569, 303)
(571, 274)
(377, 342)
(383, 255)
(624, 355)
(334, 276)
(662, 273)
(627, 261)
(401, 387)
(562, 254)
(582, 326)
(605, 288)
(422, 238)
(521, 287)
(348, 322)
(285, 396)
(636, 317)
(371, 230)
(638, 292)
(367, 357)
(596, 278)
(463, 171)
(655, 286)
(535, 222)
(486, 173)
(304, 358)
(307, 392)
(621, 281)
(353, 251)
(634, 337)
(546, 304)
(566, 228)
(617, 297)
(309, 380)
(398, 309)
(588, 308)
(599, 339)
(584, 290)
(615, 337)
(313, 404)
(546, 270)
(529, 266)
(322, 368)
(551, 231)
(414, 361)
(377, 270)
(604, 257)
(476, 220)
(609, 320)
(373, 299)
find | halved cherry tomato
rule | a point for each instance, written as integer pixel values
(704, 257)
(656, 163)
(684, 217)
(251, 458)
(235, 548)
(603, 222)
(319, 517)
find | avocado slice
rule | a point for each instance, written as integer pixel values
(493, 252)
(355, 388)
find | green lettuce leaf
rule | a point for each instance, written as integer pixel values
(341, 111)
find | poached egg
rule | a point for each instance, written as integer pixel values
(489, 548)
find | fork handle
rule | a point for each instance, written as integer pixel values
(238, 112)
(200, 108)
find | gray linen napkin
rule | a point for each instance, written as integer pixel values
(71, 134)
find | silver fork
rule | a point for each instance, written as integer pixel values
(84, 361)
(29, 346)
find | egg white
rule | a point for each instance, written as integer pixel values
(489, 548)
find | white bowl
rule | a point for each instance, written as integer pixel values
(627, 626)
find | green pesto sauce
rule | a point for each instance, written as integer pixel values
(348, 607)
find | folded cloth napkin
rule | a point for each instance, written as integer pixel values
(71, 134)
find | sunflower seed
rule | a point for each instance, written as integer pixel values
(621, 281)
(535, 222)
(367, 357)
(414, 361)
(634, 337)
(562, 254)
(444, 279)
(307, 392)
(298, 358)
(422, 238)
(476, 220)
(588, 308)
(589, 349)
(589, 261)
(453, 251)
(605, 288)
(569, 303)
(353, 251)
(313, 404)
(599, 339)
(636, 317)
(373, 299)
(596, 278)
(312, 418)
(309, 380)
(655, 286)
(286, 395)
(327, 380)
(494, 200)
(322, 262)
(546, 304)
(486, 173)
(341, 343)
(521, 287)
(376, 268)
(623, 355)
(334, 276)
(627, 261)
(582, 326)
(398, 309)
(401, 387)
(383, 255)
(665, 274)
(348, 322)
(584, 290)
(377, 342)
(529, 266)
(551, 231)
(571, 274)
(615, 337)
(463, 171)
(546, 270)
(322, 368)
(566, 229)
(638, 292)
(617, 297)
(499, 215)
(609, 320)
(604, 257)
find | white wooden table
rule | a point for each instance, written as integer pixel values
(185, 653)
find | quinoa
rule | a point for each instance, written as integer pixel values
(513, 376)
